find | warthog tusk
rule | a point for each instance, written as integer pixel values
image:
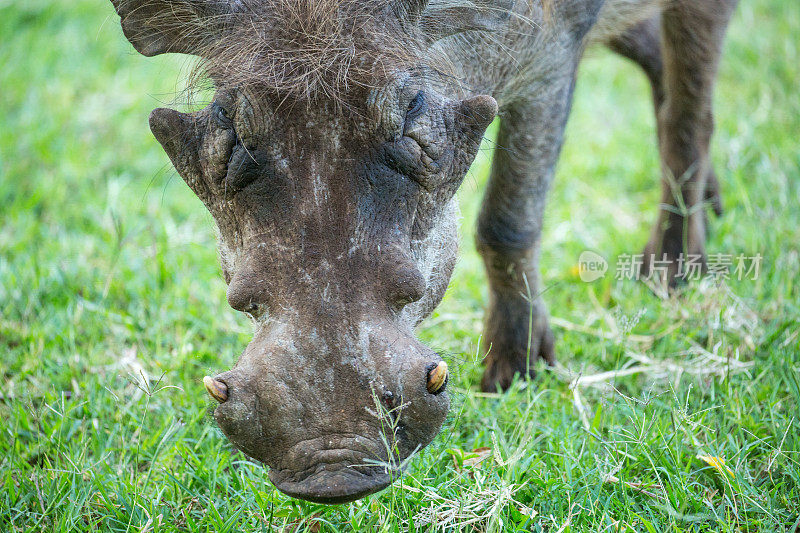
(437, 377)
(217, 389)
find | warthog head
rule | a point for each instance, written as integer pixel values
(329, 159)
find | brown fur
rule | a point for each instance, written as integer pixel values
(301, 47)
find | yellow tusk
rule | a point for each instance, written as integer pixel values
(217, 389)
(437, 377)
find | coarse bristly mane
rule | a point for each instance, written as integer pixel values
(306, 48)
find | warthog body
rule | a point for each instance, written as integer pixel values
(329, 158)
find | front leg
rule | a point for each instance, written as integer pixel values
(509, 232)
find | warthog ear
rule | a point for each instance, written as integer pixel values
(441, 18)
(181, 26)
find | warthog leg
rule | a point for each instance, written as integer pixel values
(679, 51)
(642, 45)
(509, 228)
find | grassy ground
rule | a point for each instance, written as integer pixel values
(112, 309)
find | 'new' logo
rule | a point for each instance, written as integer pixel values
(591, 266)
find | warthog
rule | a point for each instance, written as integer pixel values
(338, 135)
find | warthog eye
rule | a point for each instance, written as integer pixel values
(416, 107)
(222, 116)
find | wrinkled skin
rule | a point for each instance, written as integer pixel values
(330, 243)
(336, 213)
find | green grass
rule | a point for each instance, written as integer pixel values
(112, 309)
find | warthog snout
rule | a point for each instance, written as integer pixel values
(333, 418)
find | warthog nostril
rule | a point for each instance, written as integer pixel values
(217, 389)
(437, 377)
